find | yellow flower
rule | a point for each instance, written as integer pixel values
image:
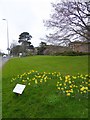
(84, 91)
(76, 86)
(86, 88)
(71, 90)
(29, 84)
(70, 86)
(86, 82)
(36, 82)
(45, 80)
(60, 78)
(64, 84)
(60, 84)
(62, 88)
(41, 81)
(65, 87)
(74, 77)
(27, 78)
(58, 88)
(66, 80)
(23, 80)
(68, 94)
(67, 91)
(57, 82)
(69, 82)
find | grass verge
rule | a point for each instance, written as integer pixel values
(43, 100)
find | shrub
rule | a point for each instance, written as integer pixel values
(71, 53)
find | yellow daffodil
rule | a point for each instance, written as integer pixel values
(64, 84)
(60, 84)
(84, 91)
(41, 81)
(86, 82)
(67, 91)
(69, 82)
(68, 94)
(23, 80)
(57, 82)
(86, 88)
(66, 80)
(62, 88)
(70, 86)
(29, 84)
(58, 88)
(36, 82)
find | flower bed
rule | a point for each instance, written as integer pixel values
(68, 85)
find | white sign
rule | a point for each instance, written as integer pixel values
(19, 88)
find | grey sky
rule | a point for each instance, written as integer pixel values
(23, 16)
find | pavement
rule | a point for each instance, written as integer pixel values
(0, 61)
(3, 61)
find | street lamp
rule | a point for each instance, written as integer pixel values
(7, 37)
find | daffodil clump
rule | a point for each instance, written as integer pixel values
(74, 85)
(34, 77)
(67, 84)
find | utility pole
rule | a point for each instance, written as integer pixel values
(7, 37)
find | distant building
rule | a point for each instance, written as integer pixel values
(52, 49)
(78, 46)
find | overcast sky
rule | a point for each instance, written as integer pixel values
(23, 16)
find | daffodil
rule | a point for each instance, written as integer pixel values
(86, 88)
(29, 84)
(69, 82)
(58, 88)
(70, 86)
(82, 89)
(23, 80)
(64, 84)
(62, 88)
(36, 82)
(60, 84)
(68, 94)
(86, 82)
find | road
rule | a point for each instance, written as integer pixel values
(2, 61)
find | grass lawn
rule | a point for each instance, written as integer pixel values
(0, 93)
(42, 97)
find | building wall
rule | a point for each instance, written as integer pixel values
(80, 47)
(51, 49)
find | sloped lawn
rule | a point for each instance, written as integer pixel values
(56, 87)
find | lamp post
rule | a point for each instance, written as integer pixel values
(7, 37)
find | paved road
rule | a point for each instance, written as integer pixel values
(2, 61)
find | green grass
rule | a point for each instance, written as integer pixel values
(0, 93)
(43, 101)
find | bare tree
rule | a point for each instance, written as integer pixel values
(69, 20)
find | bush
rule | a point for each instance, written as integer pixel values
(71, 53)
